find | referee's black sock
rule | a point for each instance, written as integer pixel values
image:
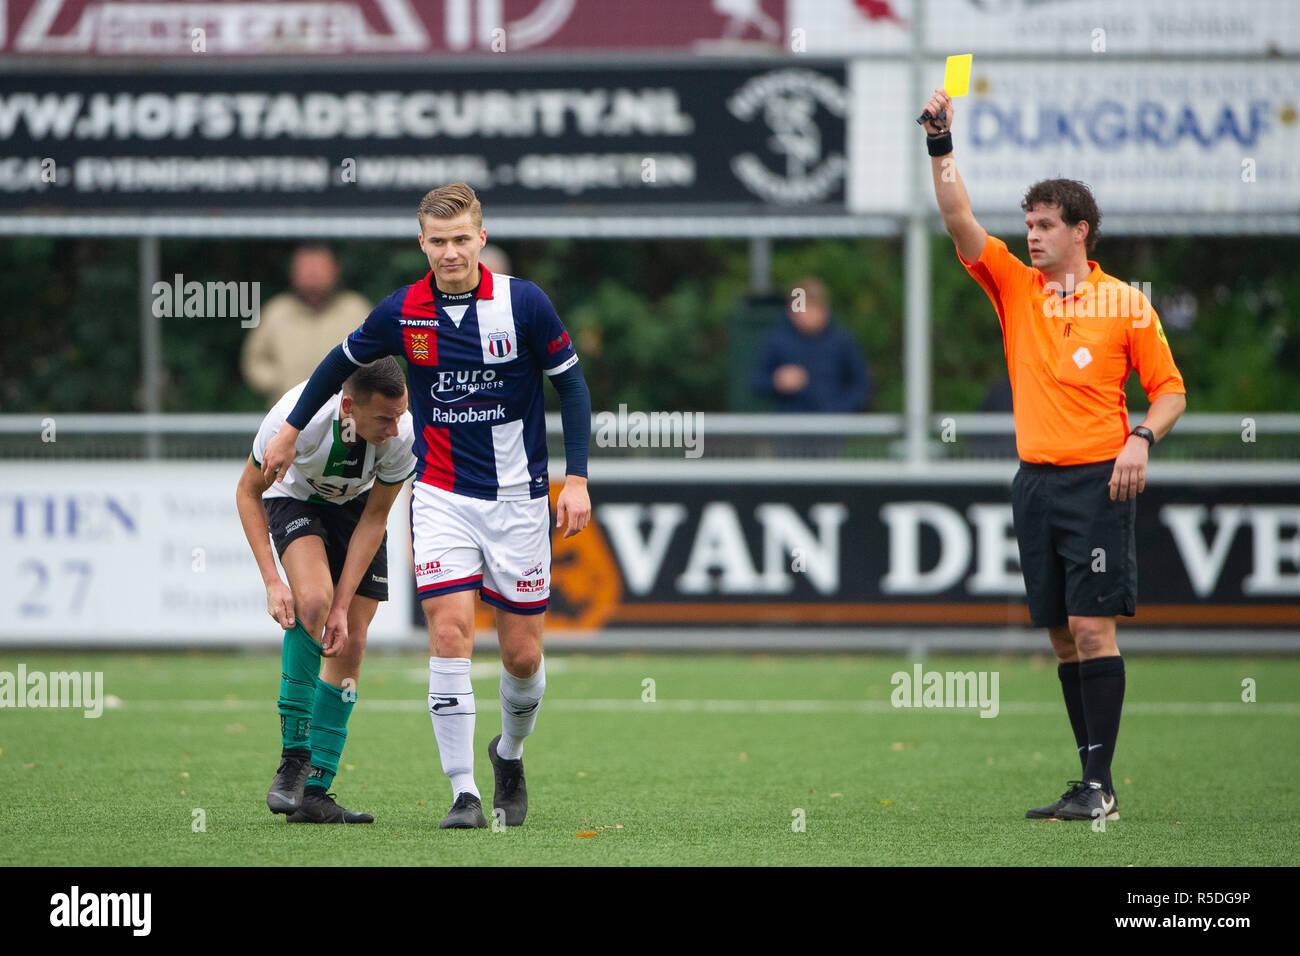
(1069, 675)
(1101, 681)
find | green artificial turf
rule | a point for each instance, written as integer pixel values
(717, 770)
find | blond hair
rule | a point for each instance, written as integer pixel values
(450, 201)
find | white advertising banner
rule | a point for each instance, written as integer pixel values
(1148, 138)
(147, 553)
(1039, 27)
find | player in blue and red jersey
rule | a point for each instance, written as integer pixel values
(477, 344)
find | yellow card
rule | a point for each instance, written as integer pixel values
(956, 75)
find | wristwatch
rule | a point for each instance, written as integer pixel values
(1143, 432)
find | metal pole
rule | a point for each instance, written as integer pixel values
(760, 264)
(916, 272)
(150, 343)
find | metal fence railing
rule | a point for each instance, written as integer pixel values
(1270, 437)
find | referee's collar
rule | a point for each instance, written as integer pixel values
(1082, 286)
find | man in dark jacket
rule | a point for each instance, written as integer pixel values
(810, 364)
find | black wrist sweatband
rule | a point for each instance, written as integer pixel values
(940, 145)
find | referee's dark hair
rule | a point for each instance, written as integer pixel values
(1075, 200)
(384, 376)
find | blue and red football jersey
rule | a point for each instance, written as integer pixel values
(476, 362)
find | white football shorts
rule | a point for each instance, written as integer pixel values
(502, 548)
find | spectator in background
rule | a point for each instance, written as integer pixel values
(298, 327)
(495, 259)
(810, 364)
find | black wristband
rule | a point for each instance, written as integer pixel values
(940, 145)
(1144, 432)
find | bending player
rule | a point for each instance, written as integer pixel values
(477, 344)
(326, 513)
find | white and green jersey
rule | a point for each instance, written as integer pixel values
(325, 469)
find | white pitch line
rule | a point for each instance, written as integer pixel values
(723, 706)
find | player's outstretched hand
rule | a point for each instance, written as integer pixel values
(279, 604)
(1129, 476)
(336, 632)
(279, 454)
(573, 506)
(939, 101)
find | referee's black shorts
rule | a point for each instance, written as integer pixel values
(1078, 549)
(290, 519)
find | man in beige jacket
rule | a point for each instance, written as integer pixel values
(298, 327)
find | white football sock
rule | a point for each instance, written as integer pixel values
(520, 698)
(451, 708)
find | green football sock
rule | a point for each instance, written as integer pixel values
(329, 731)
(299, 665)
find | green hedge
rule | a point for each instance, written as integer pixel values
(650, 319)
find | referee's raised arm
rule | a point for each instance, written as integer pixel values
(954, 204)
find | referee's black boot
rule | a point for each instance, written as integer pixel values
(1089, 801)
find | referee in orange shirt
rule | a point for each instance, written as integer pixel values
(1071, 334)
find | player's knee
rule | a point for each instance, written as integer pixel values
(312, 607)
(451, 639)
(1090, 636)
(521, 662)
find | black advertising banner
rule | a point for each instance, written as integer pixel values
(924, 553)
(748, 138)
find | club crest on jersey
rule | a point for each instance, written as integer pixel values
(499, 344)
(421, 348)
